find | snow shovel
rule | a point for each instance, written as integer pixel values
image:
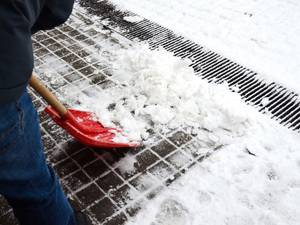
(80, 124)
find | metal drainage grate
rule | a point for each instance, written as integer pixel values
(283, 105)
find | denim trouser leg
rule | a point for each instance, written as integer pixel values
(29, 185)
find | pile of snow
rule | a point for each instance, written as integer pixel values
(160, 91)
(260, 34)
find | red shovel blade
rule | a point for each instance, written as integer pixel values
(83, 127)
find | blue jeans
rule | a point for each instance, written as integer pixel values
(28, 184)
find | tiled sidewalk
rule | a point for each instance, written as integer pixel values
(91, 177)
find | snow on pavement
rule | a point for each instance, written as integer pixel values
(156, 90)
(234, 187)
(262, 35)
(253, 179)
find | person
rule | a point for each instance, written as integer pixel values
(29, 185)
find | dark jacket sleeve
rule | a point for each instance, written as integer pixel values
(54, 13)
(16, 60)
(18, 18)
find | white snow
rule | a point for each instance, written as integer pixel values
(234, 187)
(265, 101)
(126, 165)
(260, 34)
(157, 90)
(253, 179)
(133, 19)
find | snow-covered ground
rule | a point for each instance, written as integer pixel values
(253, 179)
(260, 34)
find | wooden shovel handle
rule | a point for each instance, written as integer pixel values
(52, 100)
